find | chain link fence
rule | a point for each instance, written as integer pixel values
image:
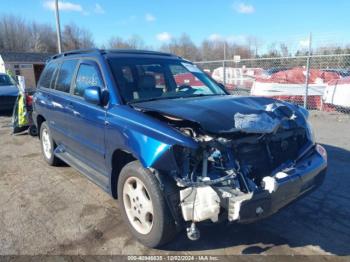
(318, 82)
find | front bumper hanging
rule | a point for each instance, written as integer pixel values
(308, 174)
(209, 201)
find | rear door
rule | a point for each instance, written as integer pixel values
(87, 120)
(59, 97)
(42, 98)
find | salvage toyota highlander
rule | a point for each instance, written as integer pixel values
(170, 143)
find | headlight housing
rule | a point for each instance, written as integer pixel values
(310, 132)
(304, 112)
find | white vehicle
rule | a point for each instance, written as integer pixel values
(337, 93)
(289, 85)
(242, 78)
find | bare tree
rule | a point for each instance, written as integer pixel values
(43, 38)
(284, 49)
(183, 47)
(136, 42)
(213, 50)
(14, 33)
(272, 51)
(75, 37)
(116, 43)
(254, 44)
(133, 42)
(17, 34)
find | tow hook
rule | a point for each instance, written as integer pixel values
(193, 232)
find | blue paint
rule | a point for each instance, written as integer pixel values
(151, 148)
(92, 131)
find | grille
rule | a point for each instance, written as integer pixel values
(270, 152)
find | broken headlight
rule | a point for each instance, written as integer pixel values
(310, 132)
(304, 112)
(186, 159)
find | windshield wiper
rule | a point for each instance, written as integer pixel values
(152, 99)
(171, 97)
(195, 95)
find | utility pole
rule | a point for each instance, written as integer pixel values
(224, 64)
(307, 73)
(58, 27)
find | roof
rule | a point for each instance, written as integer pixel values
(22, 57)
(112, 51)
(135, 51)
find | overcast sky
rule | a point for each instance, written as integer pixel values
(157, 21)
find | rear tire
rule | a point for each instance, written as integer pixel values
(143, 206)
(48, 145)
(33, 131)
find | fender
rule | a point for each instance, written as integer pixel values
(149, 140)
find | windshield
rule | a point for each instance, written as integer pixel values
(5, 80)
(153, 79)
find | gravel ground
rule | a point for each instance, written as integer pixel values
(54, 210)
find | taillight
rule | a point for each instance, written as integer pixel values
(29, 100)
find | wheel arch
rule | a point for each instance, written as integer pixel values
(39, 120)
(120, 158)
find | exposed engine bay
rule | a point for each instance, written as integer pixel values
(231, 169)
(231, 166)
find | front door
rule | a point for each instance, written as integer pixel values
(87, 127)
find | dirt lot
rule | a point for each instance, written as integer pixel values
(54, 210)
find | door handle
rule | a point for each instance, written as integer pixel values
(70, 107)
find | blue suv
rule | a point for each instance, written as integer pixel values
(170, 143)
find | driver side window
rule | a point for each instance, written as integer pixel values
(88, 75)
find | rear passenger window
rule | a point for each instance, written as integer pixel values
(46, 77)
(88, 76)
(65, 75)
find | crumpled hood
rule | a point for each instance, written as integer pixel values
(225, 114)
(8, 90)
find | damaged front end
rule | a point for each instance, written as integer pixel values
(265, 161)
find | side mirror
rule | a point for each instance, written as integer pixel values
(93, 95)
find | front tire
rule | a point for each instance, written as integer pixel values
(143, 206)
(48, 145)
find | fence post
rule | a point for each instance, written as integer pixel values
(307, 72)
(58, 27)
(224, 72)
(224, 65)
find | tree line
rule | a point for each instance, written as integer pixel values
(17, 34)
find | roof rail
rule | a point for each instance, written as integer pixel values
(111, 51)
(137, 51)
(78, 51)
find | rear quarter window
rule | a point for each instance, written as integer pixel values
(65, 75)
